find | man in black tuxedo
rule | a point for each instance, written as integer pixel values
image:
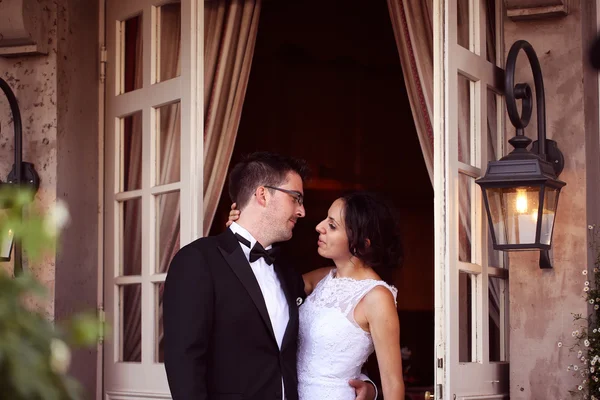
(230, 311)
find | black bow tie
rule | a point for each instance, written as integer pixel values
(258, 250)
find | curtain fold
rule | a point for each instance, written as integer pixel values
(412, 21)
(230, 35)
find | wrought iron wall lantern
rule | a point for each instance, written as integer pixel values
(521, 190)
(23, 174)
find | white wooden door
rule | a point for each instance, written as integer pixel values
(471, 279)
(152, 178)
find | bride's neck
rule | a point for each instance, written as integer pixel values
(350, 268)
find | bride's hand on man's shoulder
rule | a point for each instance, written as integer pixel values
(234, 215)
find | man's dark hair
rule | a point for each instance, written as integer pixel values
(370, 216)
(261, 169)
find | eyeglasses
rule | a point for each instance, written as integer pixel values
(299, 197)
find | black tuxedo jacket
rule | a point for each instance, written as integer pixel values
(218, 338)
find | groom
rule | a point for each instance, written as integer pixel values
(230, 310)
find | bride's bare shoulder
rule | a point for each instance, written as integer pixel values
(313, 277)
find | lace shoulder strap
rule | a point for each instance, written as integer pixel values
(320, 284)
(366, 288)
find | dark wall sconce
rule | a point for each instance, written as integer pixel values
(23, 174)
(521, 190)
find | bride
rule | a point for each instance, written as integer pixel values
(350, 311)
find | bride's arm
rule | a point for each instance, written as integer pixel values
(382, 316)
(313, 277)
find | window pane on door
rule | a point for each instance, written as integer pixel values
(467, 286)
(465, 231)
(159, 353)
(131, 152)
(168, 32)
(465, 116)
(168, 139)
(167, 229)
(130, 297)
(494, 153)
(131, 55)
(463, 16)
(490, 31)
(131, 237)
(496, 291)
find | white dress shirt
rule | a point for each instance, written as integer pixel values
(270, 286)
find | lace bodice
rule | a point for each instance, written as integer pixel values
(332, 347)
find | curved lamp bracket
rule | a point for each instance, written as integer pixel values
(22, 174)
(546, 149)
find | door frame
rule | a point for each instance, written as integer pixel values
(450, 61)
(192, 90)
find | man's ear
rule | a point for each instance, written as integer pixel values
(261, 195)
(367, 243)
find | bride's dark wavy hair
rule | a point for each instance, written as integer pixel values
(372, 226)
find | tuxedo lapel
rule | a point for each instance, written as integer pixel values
(291, 300)
(234, 255)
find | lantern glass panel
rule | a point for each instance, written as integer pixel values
(548, 214)
(514, 213)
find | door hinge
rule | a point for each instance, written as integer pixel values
(103, 59)
(440, 363)
(101, 323)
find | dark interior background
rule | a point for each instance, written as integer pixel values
(326, 85)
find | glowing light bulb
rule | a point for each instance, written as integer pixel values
(521, 203)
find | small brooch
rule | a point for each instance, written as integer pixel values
(299, 301)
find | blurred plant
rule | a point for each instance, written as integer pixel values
(34, 352)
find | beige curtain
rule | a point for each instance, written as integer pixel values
(412, 21)
(413, 29)
(229, 38)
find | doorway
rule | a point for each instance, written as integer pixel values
(326, 85)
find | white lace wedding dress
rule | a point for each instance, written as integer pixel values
(332, 347)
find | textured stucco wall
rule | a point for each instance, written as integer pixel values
(541, 302)
(77, 170)
(33, 79)
(58, 97)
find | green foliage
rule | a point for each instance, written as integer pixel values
(34, 355)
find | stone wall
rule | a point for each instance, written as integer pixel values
(542, 301)
(58, 98)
